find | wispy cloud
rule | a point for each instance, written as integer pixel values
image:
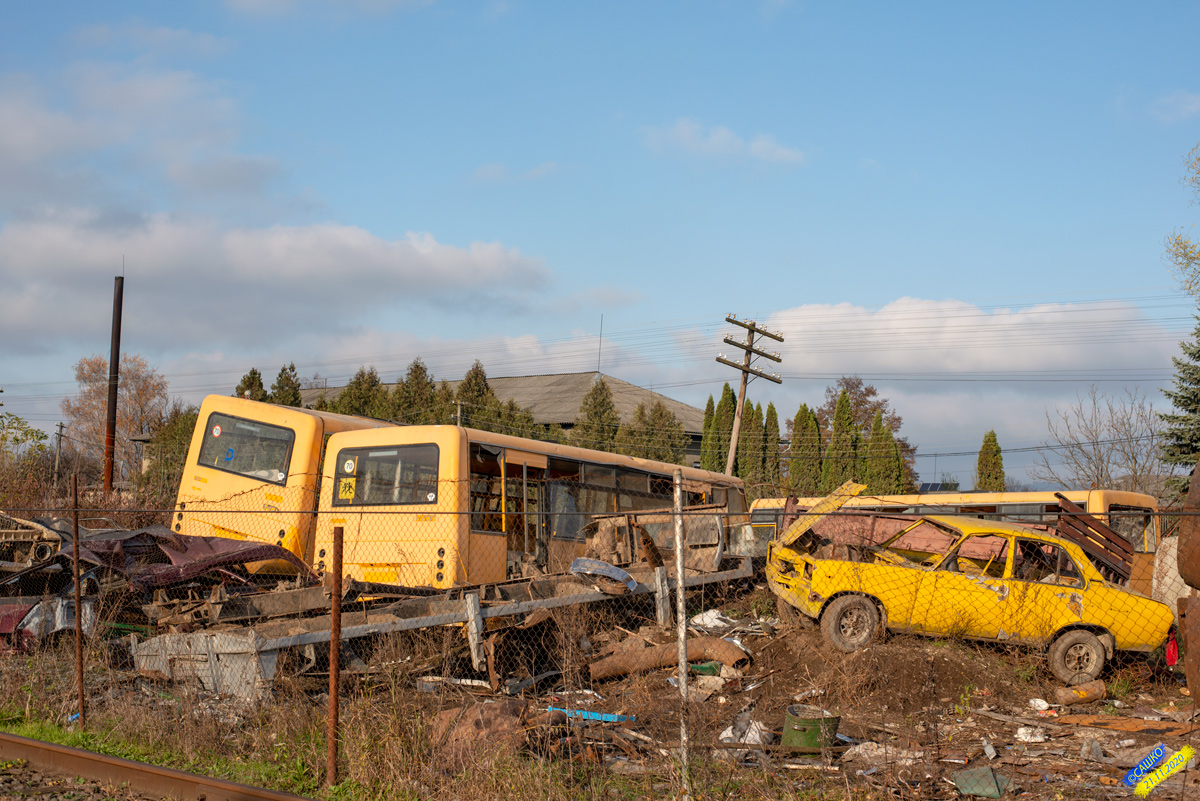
(717, 141)
(1177, 106)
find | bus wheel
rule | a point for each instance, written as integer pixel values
(850, 622)
(1076, 657)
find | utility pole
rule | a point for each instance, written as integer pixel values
(752, 329)
(57, 450)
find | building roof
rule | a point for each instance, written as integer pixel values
(556, 398)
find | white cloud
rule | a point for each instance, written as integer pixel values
(692, 137)
(200, 282)
(151, 39)
(1177, 106)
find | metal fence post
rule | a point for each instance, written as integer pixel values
(78, 601)
(335, 662)
(681, 634)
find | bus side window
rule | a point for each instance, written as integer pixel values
(485, 487)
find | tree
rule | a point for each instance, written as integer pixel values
(839, 465)
(1182, 252)
(18, 439)
(141, 402)
(364, 396)
(166, 454)
(708, 444)
(865, 401)
(476, 397)
(804, 466)
(880, 469)
(1181, 428)
(723, 426)
(748, 465)
(597, 422)
(415, 398)
(771, 455)
(653, 433)
(286, 389)
(989, 468)
(1104, 442)
(251, 386)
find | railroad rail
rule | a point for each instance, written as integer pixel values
(138, 776)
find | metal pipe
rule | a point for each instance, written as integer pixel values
(78, 601)
(681, 635)
(335, 649)
(114, 369)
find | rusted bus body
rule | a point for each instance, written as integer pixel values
(442, 505)
(253, 472)
(1132, 514)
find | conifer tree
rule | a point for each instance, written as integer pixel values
(839, 461)
(251, 386)
(708, 439)
(771, 455)
(880, 472)
(286, 389)
(476, 397)
(597, 422)
(413, 397)
(364, 396)
(653, 433)
(749, 453)
(989, 468)
(804, 467)
(723, 427)
(1181, 428)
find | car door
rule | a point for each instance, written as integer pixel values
(967, 593)
(1047, 591)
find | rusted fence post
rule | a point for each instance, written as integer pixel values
(335, 662)
(78, 601)
(681, 635)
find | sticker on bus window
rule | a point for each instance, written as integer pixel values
(348, 467)
(430, 497)
(346, 489)
(216, 431)
(228, 455)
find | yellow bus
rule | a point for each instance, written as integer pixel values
(1131, 514)
(439, 506)
(253, 472)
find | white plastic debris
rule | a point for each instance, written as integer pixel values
(808, 694)
(1040, 704)
(712, 619)
(989, 749)
(1126, 743)
(876, 753)
(1029, 734)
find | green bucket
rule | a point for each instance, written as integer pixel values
(807, 726)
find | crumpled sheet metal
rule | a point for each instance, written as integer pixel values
(699, 649)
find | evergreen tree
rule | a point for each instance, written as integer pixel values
(476, 397)
(653, 433)
(839, 463)
(364, 396)
(413, 397)
(708, 445)
(749, 453)
(989, 468)
(1181, 428)
(597, 422)
(771, 455)
(723, 427)
(879, 470)
(445, 412)
(286, 389)
(804, 467)
(251, 386)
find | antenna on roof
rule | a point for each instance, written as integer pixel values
(600, 346)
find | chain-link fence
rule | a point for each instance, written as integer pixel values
(530, 647)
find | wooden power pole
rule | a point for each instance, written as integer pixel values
(752, 329)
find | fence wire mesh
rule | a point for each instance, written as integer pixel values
(874, 656)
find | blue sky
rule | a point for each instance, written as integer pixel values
(941, 198)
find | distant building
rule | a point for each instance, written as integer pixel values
(556, 398)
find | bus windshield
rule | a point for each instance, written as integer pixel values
(396, 475)
(247, 448)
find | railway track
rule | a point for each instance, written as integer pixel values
(149, 780)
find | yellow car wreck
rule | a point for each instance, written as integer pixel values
(961, 576)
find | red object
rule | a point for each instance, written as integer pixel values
(1172, 650)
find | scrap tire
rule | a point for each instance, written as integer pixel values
(1076, 657)
(850, 622)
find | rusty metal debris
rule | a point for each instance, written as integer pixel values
(699, 649)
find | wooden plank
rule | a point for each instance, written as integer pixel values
(1094, 523)
(1086, 531)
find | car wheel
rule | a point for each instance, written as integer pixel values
(850, 622)
(1076, 657)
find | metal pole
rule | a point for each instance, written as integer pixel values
(681, 636)
(335, 649)
(78, 602)
(114, 369)
(57, 450)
